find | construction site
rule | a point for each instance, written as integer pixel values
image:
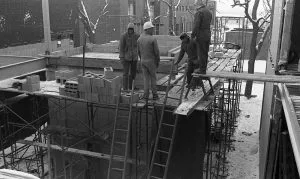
(64, 114)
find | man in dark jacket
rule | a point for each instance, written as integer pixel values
(188, 46)
(201, 34)
(129, 55)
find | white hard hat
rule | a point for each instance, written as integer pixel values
(148, 25)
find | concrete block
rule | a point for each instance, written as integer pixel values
(92, 97)
(87, 82)
(80, 79)
(125, 98)
(58, 74)
(108, 72)
(50, 75)
(62, 90)
(112, 100)
(82, 95)
(114, 84)
(33, 79)
(81, 88)
(31, 87)
(97, 83)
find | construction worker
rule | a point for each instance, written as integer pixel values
(188, 46)
(149, 54)
(129, 55)
(201, 34)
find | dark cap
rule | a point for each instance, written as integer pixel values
(183, 35)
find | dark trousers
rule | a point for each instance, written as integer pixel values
(129, 73)
(149, 74)
(190, 71)
(202, 52)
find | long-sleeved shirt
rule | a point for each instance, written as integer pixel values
(128, 46)
(190, 48)
(201, 28)
(148, 49)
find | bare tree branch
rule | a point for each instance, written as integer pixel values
(102, 13)
(246, 10)
(254, 10)
(166, 2)
(178, 3)
(262, 39)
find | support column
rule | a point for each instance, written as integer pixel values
(46, 25)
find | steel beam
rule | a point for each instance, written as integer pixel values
(18, 69)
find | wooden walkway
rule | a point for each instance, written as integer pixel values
(196, 97)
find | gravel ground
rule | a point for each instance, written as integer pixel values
(243, 160)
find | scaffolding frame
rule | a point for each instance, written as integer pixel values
(44, 138)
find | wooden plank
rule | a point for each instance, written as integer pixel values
(73, 150)
(269, 88)
(196, 97)
(254, 77)
(292, 123)
(188, 105)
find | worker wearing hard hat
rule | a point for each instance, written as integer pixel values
(188, 46)
(201, 34)
(129, 55)
(149, 54)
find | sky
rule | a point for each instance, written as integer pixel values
(224, 8)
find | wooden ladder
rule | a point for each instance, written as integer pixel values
(163, 137)
(117, 166)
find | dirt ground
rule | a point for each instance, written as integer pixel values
(243, 160)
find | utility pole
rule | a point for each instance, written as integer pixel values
(46, 24)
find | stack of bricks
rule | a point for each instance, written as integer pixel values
(32, 83)
(61, 76)
(96, 88)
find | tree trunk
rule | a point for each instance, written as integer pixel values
(251, 62)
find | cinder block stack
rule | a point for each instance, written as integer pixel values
(61, 76)
(32, 83)
(96, 88)
(71, 89)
